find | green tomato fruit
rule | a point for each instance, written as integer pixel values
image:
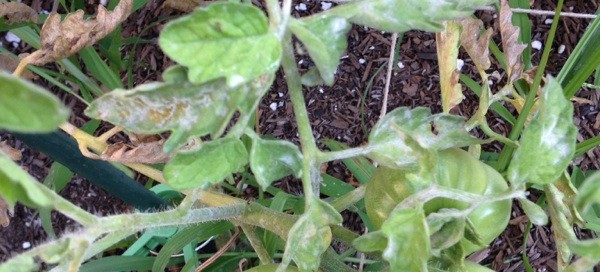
(456, 169)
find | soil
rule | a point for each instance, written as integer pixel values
(345, 112)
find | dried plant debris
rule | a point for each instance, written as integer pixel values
(62, 39)
(512, 49)
(149, 153)
(476, 43)
(15, 13)
(447, 43)
(185, 5)
(4, 213)
(11, 152)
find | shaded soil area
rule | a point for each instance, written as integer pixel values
(345, 111)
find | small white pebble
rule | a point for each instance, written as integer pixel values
(26, 245)
(362, 61)
(372, 47)
(273, 106)
(400, 65)
(325, 5)
(12, 38)
(548, 21)
(537, 45)
(561, 49)
(280, 94)
(495, 16)
(490, 82)
(459, 64)
(300, 62)
(44, 12)
(27, 224)
(103, 2)
(280, 104)
(570, 8)
(301, 7)
(320, 90)
(311, 101)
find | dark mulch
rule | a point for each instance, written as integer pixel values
(345, 112)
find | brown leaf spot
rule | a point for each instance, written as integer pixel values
(510, 36)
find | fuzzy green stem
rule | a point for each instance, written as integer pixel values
(343, 154)
(257, 244)
(307, 141)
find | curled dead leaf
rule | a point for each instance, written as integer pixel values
(11, 152)
(60, 40)
(149, 153)
(512, 49)
(9, 63)
(16, 12)
(476, 44)
(4, 213)
(447, 43)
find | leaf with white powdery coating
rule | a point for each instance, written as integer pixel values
(183, 108)
(210, 164)
(547, 144)
(408, 247)
(28, 108)
(230, 40)
(310, 236)
(271, 160)
(325, 40)
(401, 137)
(403, 15)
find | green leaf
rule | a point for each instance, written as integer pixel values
(175, 73)
(271, 160)
(28, 108)
(587, 248)
(535, 213)
(370, 242)
(403, 136)
(325, 39)
(547, 145)
(448, 235)
(271, 268)
(589, 194)
(408, 247)
(310, 236)
(229, 40)
(403, 15)
(185, 109)
(209, 164)
(16, 185)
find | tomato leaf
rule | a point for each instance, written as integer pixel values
(476, 44)
(587, 248)
(325, 40)
(16, 12)
(271, 160)
(28, 108)
(403, 136)
(403, 15)
(17, 185)
(447, 43)
(372, 241)
(510, 43)
(230, 40)
(534, 212)
(547, 145)
(448, 235)
(185, 109)
(210, 164)
(588, 195)
(310, 236)
(408, 247)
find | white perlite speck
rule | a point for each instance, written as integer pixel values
(561, 48)
(26, 245)
(103, 2)
(459, 64)
(12, 38)
(362, 61)
(400, 65)
(301, 7)
(548, 21)
(537, 45)
(273, 106)
(325, 5)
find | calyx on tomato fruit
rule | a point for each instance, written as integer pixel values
(455, 169)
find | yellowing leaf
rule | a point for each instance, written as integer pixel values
(476, 43)
(447, 43)
(510, 36)
(16, 12)
(60, 40)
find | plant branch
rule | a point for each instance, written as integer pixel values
(343, 154)
(257, 244)
(388, 77)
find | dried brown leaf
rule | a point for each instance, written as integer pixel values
(512, 49)
(4, 213)
(185, 5)
(447, 43)
(148, 153)
(476, 43)
(9, 63)
(15, 12)
(62, 39)
(11, 152)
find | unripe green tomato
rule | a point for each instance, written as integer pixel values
(456, 169)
